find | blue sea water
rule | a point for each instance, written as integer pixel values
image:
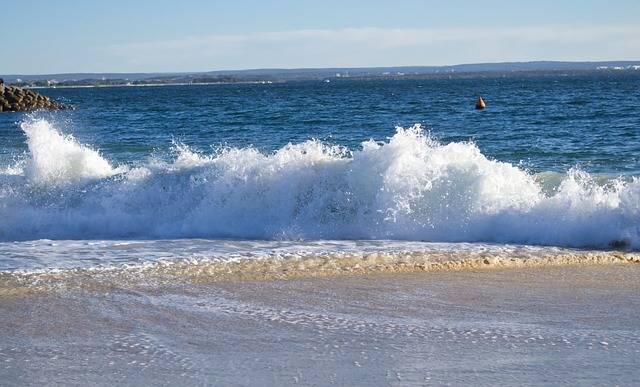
(143, 236)
(282, 168)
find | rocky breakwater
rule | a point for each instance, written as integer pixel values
(16, 99)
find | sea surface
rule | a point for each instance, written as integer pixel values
(139, 174)
(164, 185)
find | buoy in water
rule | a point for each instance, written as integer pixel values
(480, 103)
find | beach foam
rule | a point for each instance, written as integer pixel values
(170, 262)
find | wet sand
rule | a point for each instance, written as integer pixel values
(574, 325)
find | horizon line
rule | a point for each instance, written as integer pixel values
(332, 68)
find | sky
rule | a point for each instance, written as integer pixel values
(117, 36)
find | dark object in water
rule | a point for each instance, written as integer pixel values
(619, 244)
(480, 103)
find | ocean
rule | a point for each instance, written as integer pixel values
(286, 233)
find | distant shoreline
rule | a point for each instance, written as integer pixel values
(141, 85)
(88, 83)
(487, 70)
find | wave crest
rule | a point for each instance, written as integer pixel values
(55, 158)
(409, 187)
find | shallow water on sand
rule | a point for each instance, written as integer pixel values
(569, 324)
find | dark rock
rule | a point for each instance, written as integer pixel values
(18, 99)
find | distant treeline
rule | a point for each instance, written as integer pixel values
(169, 80)
(273, 77)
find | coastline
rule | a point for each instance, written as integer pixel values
(150, 85)
(269, 76)
(527, 325)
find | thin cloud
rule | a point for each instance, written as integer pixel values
(368, 47)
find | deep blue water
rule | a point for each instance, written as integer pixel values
(550, 161)
(546, 123)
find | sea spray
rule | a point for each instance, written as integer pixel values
(438, 192)
(410, 187)
(56, 158)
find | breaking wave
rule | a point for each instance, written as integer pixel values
(409, 187)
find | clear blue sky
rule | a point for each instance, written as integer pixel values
(64, 36)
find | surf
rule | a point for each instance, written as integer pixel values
(408, 187)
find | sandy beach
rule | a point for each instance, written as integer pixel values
(574, 325)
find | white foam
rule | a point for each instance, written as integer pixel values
(55, 158)
(409, 187)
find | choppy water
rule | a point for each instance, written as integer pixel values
(552, 161)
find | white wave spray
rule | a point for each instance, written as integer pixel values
(410, 187)
(55, 158)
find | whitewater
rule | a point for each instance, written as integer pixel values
(409, 187)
